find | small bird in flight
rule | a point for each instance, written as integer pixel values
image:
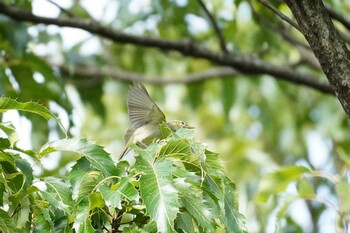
(145, 118)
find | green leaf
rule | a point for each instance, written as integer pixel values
(6, 157)
(212, 163)
(217, 191)
(82, 223)
(27, 170)
(158, 191)
(16, 200)
(112, 198)
(184, 133)
(184, 222)
(17, 38)
(85, 185)
(213, 186)
(41, 224)
(151, 226)
(149, 153)
(58, 193)
(96, 155)
(80, 168)
(11, 104)
(305, 189)
(220, 193)
(176, 147)
(193, 201)
(7, 224)
(23, 214)
(2, 189)
(5, 143)
(344, 156)
(30, 153)
(14, 178)
(276, 182)
(10, 130)
(343, 190)
(115, 194)
(96, 201)
(233, 219)
(61, 221)
(166, 131)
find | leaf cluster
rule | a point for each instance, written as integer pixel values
(174, 185)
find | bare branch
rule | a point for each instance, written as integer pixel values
(280, 28)
(279, 14)
(215, 25)
(97, 74)
(242, 63)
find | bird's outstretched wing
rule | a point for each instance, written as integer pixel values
(141, 108)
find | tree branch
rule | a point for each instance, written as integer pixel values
(215, 25)
(97, 74)
(68, 13)
(307, 57)
(243, 63)
(279, 14)
(325, 41)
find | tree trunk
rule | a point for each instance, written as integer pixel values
(326, 43)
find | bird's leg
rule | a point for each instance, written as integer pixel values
(160, 143)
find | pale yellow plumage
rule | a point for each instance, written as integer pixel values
(145, 118)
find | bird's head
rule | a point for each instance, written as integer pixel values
(176, 124)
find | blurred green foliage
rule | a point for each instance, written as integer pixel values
(260, 126)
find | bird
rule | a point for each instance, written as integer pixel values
(145, 119)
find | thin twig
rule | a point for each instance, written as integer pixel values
(279, 14)
(68, 13)
(280, 28)
(96, 75)
(243, 63)
(215, 25)
(306, 55)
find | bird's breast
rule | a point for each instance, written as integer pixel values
(147, 133)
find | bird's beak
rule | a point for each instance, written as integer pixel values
(189, 127)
